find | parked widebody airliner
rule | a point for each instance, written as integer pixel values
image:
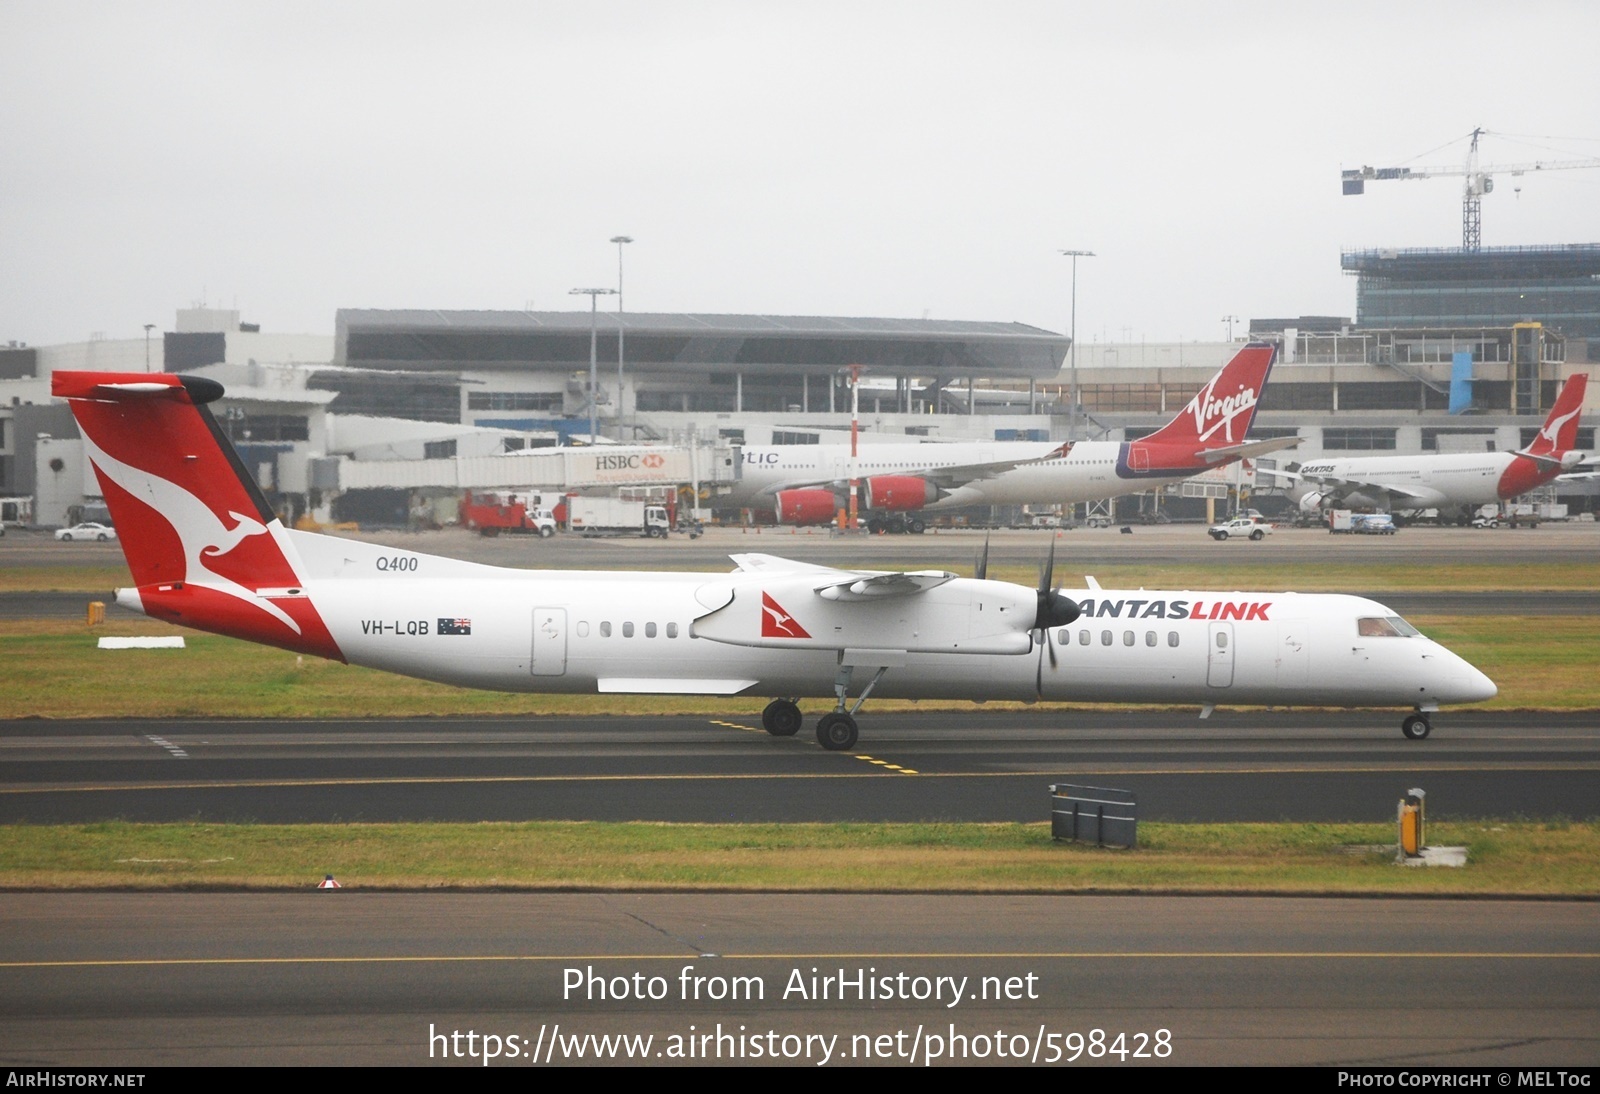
(809, 484)
(206, 551)
(1453, 483)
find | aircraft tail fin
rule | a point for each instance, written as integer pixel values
(1559, 433)
(1220, 414)
(204, 547)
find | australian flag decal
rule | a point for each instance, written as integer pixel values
(455, 626)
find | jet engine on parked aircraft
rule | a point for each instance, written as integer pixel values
(1311, 501)
(900, 493)
(806, 506)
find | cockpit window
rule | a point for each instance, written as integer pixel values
(1384, 627)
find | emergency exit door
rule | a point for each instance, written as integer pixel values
(549, 641)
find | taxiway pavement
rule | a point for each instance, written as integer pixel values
(910, 766)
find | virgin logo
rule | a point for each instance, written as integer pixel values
(1212, 413)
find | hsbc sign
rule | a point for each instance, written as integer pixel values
(636, 465)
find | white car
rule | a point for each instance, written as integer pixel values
(1240, 526)
(87, 530)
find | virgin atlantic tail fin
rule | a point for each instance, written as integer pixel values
(1220, 414)
(204, 547)
(1559, 434)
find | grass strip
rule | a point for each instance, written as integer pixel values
(1504, 858)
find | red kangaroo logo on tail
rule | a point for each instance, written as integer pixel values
(777, 623)
(1560, 429)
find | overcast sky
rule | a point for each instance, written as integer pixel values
(860, 158)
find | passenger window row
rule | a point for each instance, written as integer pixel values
(1108, 638)
(627, 630)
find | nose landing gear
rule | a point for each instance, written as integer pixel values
(1416, 726)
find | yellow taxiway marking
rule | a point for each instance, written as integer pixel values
(1067, 955)
(736, 725)
(1061, 770)
(886, 765)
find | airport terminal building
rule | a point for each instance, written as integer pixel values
(415, 395)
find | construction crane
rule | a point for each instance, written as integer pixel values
(1479, 181)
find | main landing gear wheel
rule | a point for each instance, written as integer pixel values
(1416, 727)
(781, 718)
(836, 732)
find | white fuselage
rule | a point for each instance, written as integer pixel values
(1088, 472)
(553, 631)
(1446, 479)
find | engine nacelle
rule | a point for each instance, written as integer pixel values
(900, 493)
(806, 506)
(1311, 502)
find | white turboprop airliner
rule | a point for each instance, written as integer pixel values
(1458, 482)
(206, 552)
(809, 483)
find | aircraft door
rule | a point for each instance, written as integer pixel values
(1219, 655)
(549, 641)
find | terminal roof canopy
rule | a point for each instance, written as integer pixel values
(453, 340)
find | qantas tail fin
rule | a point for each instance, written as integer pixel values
(1559, 434)
(1220, 414)
(204, 547)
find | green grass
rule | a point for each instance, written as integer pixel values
(1504, 858)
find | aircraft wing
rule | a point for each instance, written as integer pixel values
(947, 478)
(846, 585)
(1247, 450)
(959, 475)
(753, 563)
(880, 586)
(1334, 482)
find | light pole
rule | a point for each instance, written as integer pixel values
(148, 327)
(619, 241)
(1230, 320)
(594, 296)
(1072, 348)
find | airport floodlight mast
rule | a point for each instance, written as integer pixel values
(1479, 181)
(148, 327)
(619, 241)
(1072, 343)
(1231, 320)
(594, 296)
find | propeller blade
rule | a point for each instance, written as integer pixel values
(1054, 609)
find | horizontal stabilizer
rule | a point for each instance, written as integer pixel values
(1247, 450)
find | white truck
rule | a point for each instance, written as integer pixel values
(616, 517)
(1240, 528)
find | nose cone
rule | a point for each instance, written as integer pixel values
(1479, 687)
(1463, 683)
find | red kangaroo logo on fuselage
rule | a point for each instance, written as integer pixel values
(777, 623)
